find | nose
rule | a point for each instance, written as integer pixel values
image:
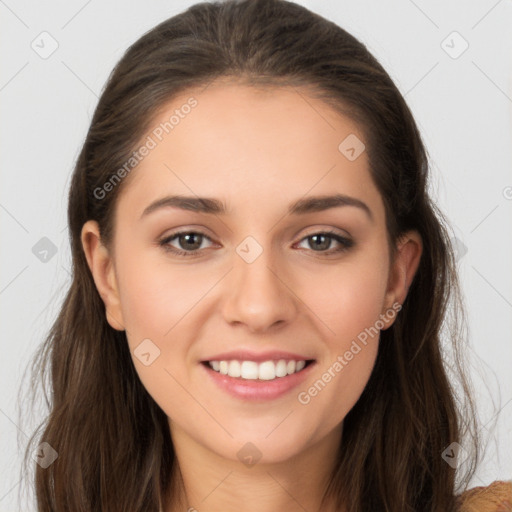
(259, 295)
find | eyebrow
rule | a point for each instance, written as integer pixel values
(302, 206)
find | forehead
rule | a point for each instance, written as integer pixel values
(251, 147)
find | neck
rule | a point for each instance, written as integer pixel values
(204, 481)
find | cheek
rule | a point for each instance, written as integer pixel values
(154, 304)
(160, 302)
(351, 309)
(349, 304)
(336, 387)
(348, 299)
(154, 295)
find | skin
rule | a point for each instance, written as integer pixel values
(258, 151)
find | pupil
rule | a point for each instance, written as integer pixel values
(186, 240)
(325, 245)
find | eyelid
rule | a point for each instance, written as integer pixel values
(309, 231)
(200, 230)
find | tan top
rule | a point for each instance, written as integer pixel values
(496, 497)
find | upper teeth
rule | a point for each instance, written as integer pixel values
(267, 370)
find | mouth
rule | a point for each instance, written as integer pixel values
(270, 370)
(258, 382)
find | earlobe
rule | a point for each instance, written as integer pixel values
(102, 269)
(403, 269)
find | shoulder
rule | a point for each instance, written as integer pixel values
(496, 497)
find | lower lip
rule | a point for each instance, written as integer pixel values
(254, 389)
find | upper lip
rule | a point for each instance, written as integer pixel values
(258, 357)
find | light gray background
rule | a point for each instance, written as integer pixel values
(463, 106)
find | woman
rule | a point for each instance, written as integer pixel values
(289, 358)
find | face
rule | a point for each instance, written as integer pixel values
(251, 279)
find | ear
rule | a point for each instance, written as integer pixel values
(402, 272)
(102, 268)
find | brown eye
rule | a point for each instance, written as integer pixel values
(189, 243)
(321, 242)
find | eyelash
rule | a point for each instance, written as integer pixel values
(164, 243)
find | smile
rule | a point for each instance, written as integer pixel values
(260, 382)
(251, 370)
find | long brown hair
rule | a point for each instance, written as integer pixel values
(113, 442)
